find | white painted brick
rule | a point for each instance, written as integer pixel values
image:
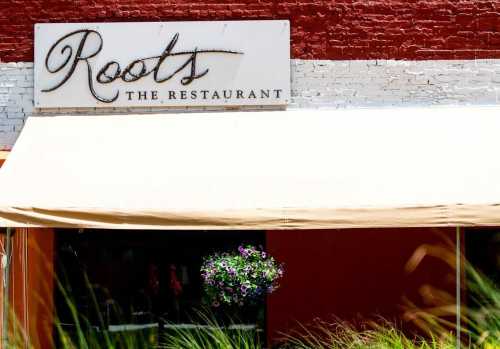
(18, 90)
(7, 84)
(16, 115)
(25, 83)
(13, 122)
(315, 84)
(12, 109)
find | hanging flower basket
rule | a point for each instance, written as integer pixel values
(240, 278)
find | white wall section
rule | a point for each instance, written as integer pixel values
(315, 84)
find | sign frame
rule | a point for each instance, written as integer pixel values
(162, 64)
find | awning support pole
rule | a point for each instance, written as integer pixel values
(6, 290)
(458, 289)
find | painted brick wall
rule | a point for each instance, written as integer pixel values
(315, 84)
(342, 29)
(346, 44)
(391, 83)
(16, 100)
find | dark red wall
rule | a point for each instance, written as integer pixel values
(32, 285)
(350, 274)
(344, 29)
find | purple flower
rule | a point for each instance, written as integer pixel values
(244, 275)
(243, 251)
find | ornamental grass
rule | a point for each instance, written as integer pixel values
(480, 325)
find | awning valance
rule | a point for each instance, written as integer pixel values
(256, 170)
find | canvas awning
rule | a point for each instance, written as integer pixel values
(256, 170)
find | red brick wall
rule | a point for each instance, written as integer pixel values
(344, 29)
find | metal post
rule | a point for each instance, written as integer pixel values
(458, 290)
(6, 290)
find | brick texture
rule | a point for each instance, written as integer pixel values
(16, 100)
(315, 84)
(343, 29)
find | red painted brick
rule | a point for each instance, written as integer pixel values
(343, 29)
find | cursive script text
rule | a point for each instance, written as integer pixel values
(89, 44)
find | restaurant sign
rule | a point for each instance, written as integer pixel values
(177, 64)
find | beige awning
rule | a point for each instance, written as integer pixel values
(256, 170)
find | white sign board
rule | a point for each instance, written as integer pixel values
(231, 63)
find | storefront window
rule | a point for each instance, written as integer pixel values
(146, 278)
